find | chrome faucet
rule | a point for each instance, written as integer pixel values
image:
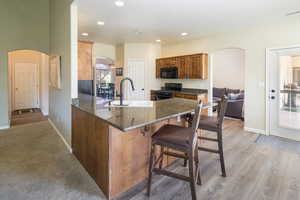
(121, 88)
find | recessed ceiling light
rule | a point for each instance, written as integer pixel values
(85, 34)
(184, 34)
(292, 13)
(100, 23)
(158, 40)
(119, 3)
(138, 32)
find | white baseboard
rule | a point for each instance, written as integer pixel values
(254, 130)
(45, 113)
(60, 135)
(4, 127)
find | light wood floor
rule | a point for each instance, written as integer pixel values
(37, 166)
(254, 172)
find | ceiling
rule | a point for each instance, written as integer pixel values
(149, 20)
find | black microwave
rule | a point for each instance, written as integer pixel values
(169, 72)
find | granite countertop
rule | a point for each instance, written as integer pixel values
(186, 91)
(128, 118)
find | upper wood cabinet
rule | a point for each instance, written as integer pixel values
(85, 51)
(189, 67)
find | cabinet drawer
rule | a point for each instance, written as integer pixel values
(186, 96)
(179, 95)
(190, 96)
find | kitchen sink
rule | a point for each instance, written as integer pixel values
(130, 104)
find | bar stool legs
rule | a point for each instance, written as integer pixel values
(150, 170)
(220, 145)
(192, 175)
(193, 164)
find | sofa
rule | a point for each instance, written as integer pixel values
(235, 106)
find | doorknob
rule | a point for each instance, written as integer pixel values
(143, 89)
(273, 91)
(272, 97)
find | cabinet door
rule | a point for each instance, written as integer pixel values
(196, 66)
(204, 66)
(187, 66)
(85, 69)
(170, 62)
(158, 66)
(182, 73)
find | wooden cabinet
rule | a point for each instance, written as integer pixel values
(196, 66)
(189, 67)
(85, 51)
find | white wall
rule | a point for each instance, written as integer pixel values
(44, 84)
(60, 44)
(147, 52)
(104, 50)
(254, 40)
(74, 50)
(228, 67)
(24, 25)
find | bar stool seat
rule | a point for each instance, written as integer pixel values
(208, 122)
(173, 136)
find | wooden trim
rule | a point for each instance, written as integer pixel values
(84, 41)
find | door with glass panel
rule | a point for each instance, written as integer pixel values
(284, 94)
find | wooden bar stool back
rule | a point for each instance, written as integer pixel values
(180, 139)
(215, 124)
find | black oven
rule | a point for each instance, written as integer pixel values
(169, 72)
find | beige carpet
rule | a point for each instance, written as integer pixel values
(35, 165)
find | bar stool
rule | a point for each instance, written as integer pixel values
(214, 124)
(180, 139)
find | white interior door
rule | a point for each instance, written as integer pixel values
(136, 71)
(25, 86)
(284, 93)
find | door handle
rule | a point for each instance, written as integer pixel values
(143, 89)
(272, 97)
(273, 91)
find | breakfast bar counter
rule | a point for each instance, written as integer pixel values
(113, 143)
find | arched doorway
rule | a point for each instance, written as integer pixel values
(28, 73)
(228, 77)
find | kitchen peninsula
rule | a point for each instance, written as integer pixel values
(113, 143)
